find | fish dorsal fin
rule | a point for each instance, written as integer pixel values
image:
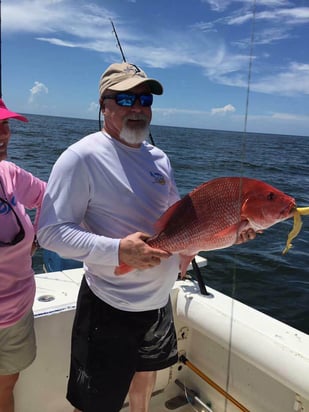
(163, 220)
(177, 212)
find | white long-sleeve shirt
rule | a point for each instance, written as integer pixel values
(99, 191)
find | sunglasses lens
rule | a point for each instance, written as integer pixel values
(146, 99)
(125, 100)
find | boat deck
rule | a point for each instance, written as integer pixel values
(268, 363)
(44, 382)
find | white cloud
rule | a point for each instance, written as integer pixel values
(76, 23)
(294, 80)
(37, 90)
(228, 108)
(64, 17)
(93, 107)
(217, 5)
(289, 116)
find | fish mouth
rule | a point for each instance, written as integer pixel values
(289, 210)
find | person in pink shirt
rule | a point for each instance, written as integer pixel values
(19, 190)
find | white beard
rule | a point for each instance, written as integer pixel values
(135, 135)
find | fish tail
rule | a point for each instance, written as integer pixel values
(122, 269)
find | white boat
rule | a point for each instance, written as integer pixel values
(232, 357)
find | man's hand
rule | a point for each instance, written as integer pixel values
(134, 252)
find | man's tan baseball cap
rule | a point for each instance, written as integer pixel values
(121, 77)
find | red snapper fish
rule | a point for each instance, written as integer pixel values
(214, 214)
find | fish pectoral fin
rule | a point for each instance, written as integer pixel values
(184, 263)
(230, 235)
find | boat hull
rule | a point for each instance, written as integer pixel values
(259, 361)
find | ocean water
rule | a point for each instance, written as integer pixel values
(255, 273)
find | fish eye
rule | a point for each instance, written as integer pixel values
(270, 196)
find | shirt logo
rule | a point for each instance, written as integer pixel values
(132, 68)
(5, 208)
(158, 178)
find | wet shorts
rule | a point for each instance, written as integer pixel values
(110, 345)
(17, 346)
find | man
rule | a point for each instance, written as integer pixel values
(104, 194)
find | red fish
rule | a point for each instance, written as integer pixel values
(214, 214)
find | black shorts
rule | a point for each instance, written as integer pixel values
(110, 345)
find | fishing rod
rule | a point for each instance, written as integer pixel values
(212, 383)
(118, 41)
(243, 153)
(124, 60)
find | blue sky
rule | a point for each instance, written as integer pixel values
(54, 51)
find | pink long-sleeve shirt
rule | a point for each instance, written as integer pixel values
(17, 286)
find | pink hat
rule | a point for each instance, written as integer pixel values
(5, 113)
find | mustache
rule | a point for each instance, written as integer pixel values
(136, 116)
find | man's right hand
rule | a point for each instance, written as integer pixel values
(134, 252)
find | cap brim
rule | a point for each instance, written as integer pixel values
(155, 86)
(7, 114)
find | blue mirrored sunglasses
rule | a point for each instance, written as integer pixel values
(128, 99)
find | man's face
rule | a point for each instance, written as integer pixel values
(130, 125)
